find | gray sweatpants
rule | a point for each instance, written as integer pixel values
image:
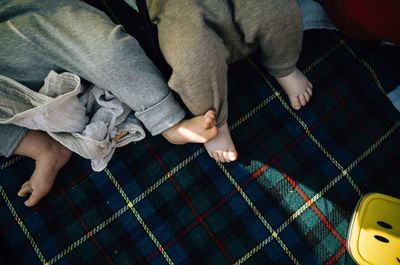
(199, 38)
(69, 35)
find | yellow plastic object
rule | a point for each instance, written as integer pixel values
(374, 231)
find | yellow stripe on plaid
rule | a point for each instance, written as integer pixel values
(88, 235)
(22, 226)
(321, 58)
(274, 234)
(198, 152)
(153, 187)
(252, 112)
(182, 164)
(125, 208)
(173, 171)
(138, 217)
(317, 196)
(265, 102)
(306, 129)
(169, 174)
(185, 162)
(10, 162)
(363, 62)
(333, 182)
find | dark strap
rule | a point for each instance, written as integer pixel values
(138, 24)
(150, 28)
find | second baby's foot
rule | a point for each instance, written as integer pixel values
(221, 148)
(297, 87)
(199, 129)
(47, 166)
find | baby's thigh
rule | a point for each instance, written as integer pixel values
(192, 49)
(262, 15)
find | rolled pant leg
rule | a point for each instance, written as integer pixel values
(197, 56)
(72, 36)
(10, 136)
(278, 29)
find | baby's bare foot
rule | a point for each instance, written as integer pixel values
(199, 129)
(221, 148)
(297, 87)
(50, 157)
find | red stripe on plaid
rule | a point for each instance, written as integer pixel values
(83, 224)
(320, 122)
(293, 183)
(189, 203)
(367, 131)
(337, 256)
(43, 206)
(328, 225)
(259, 171)
(371, 136)
(209, 212)
(305, 133)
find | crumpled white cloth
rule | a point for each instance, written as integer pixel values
(91, 122)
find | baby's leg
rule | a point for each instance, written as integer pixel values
(98, 51)
(280, 35)
(50, 157)
(198, 57)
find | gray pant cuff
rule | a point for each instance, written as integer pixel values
(278, 73)
(9, 148)
(162, 116)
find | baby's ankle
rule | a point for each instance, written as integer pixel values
(57, 154)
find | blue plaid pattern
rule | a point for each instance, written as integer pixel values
(287, 200)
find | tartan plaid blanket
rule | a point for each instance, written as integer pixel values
(287, 200)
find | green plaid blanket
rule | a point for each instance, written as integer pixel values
(287, 200)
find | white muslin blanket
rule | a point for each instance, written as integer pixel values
(91, 121)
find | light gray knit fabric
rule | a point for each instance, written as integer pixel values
(69, 35)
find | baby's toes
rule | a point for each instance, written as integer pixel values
(213, 155)
(26, 188)
(34, 198)
(211, 114)
(309, 91)
(37, 194)
(209, 117)
(307, 96)
(219, 156)
(225, 154)
(303, 100)
(295, 102)
(231, 155)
